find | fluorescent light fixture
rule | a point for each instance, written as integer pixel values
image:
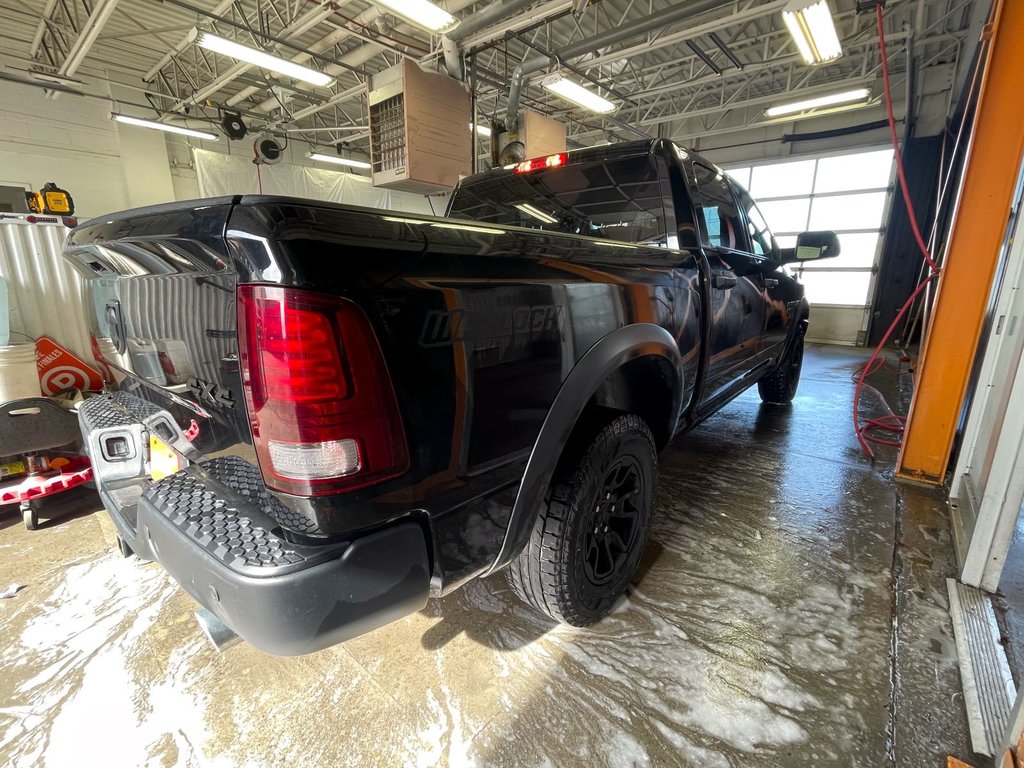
(263, 59)
(402, 220)
(537, 213)
(422, 13)
(164, 127)
(337, 160)
(469, 228)
(576, 93)
(845, 97)
(813, 29)
(483, 130)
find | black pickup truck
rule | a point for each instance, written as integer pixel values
(324, 415)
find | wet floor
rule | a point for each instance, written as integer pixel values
(790, 611)
(1010, 600)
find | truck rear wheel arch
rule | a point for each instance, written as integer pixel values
(602, 378)
(644, 386)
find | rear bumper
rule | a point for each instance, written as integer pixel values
(208, 527)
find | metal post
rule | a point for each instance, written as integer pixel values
(974, 251)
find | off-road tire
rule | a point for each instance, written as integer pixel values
(573, 569)
(780, 385)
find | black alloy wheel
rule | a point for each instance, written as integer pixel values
(588, 540)
(620, 506)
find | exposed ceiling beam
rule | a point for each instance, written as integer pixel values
(182, 44)
(37, 38)
(357, 57)
(291, 32)
(101, 13)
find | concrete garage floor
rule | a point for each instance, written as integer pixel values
(791, 611)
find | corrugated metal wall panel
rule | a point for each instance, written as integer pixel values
(46, 295)
(153, 310)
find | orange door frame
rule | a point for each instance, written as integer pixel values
(975, 245)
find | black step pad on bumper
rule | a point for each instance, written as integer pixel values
(216, 530)
(284, 598)
(216, 504)
(245, 479)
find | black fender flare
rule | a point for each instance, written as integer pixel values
(803, 320)
(599, 362)
(796, 330)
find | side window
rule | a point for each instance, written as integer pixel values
(686, 224)
(723, 223)
(757, 227)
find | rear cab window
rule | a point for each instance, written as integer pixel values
(624, 199)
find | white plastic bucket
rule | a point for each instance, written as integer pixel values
(18, 374)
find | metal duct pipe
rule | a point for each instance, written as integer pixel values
(493, 14)
(651, 22)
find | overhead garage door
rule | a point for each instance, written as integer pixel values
(847, 193)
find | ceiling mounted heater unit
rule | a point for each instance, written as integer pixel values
(418, 137)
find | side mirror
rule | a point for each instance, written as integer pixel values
(811, 246)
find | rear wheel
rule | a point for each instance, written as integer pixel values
(587, 543)
(780, 385)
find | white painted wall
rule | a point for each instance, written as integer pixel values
(72, 141)
(144, 167)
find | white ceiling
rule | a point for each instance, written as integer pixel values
(661, 85)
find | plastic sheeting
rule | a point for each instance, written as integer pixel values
(221, 174)
(45, 294)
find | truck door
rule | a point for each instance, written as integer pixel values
(737, 301)
(778, 286)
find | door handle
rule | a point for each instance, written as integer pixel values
(722, 282)
(771, 282)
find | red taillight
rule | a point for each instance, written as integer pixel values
(551, 161)
(321, 406)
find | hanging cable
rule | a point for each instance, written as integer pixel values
(892, 422)
(896, 142)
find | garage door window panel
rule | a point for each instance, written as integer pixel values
(787, 215)
(782, 179)
(847, 173)
(837, 288)
(858, 251)
(847, 194)
(848, 212)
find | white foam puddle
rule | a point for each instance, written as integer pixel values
(89, 699)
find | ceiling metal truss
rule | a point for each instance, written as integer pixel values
(709, 74)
